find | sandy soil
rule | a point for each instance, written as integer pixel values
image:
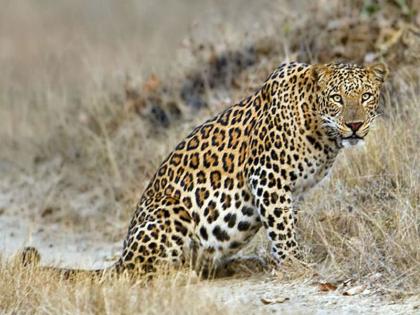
(61, 241)
(302, 297)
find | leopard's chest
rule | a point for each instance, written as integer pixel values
(305, 183)
(311, 175)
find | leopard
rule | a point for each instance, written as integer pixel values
(245, 169)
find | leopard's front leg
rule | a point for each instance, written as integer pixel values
(279, 219)
(271, 177)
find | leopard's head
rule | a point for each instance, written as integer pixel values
(348, 98)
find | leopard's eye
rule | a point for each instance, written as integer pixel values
(366, 96)
(337, 98)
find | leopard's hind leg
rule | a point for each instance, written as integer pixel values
(159, 234)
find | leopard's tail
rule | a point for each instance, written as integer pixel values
(30, 257)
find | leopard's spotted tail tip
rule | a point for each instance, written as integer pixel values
(29, 256)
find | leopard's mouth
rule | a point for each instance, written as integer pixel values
(353, 140)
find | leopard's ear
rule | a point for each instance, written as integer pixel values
(320, 72)
(379, 71)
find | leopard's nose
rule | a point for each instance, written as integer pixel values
(354, 125)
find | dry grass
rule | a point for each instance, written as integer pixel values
(369, 221)
(171, 294)
(73, 156)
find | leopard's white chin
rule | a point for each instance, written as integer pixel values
(352, 142)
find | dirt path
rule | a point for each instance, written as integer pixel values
(301, 297)
(57, 246)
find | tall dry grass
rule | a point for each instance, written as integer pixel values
(366, 220)
(177, 293)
